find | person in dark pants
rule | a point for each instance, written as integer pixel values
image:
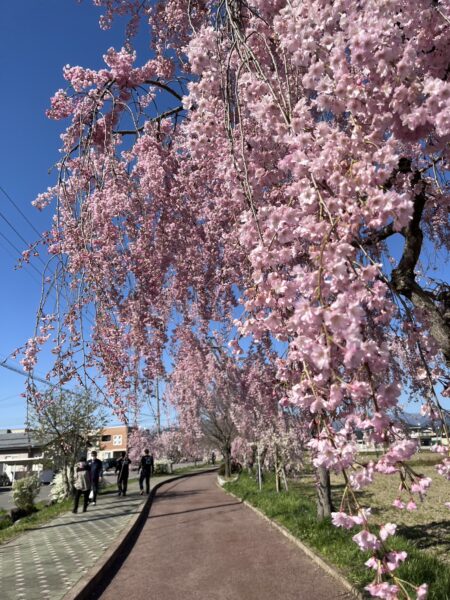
(96, 471)
(146, 468)
(123, 471)
(82, 486)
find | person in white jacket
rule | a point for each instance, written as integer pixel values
(82, 486)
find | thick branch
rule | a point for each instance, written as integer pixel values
(403, 279)
(165, 87)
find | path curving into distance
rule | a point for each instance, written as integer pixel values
(199, 543)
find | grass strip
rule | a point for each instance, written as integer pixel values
(43, 515)
(296, 510)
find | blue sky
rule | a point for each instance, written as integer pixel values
(37, 38)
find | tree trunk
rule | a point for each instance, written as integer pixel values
(283, 472)
(277, 473)
(227, 461)
(259, 471)
(67, 486)
(324, 502)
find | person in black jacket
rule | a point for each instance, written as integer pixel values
(146, 467)
(96, 472)
(123, 471)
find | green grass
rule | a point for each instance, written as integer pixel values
(183, 470)
(296, 511)
(429, 525)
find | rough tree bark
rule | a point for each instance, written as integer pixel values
(324, 502)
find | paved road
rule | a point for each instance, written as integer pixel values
(44, 563)
(201, 544)
(7, 502)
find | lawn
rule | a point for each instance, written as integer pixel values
(428, 526)
(296, 510)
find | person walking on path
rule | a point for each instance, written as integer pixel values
(123, 471)
(82, 486)
(96, 471)
(146, 468)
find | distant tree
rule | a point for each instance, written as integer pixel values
(204, 386)
(66, 424)
(138, 441)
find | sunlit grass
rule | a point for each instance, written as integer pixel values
(429, 525)
(296, 510)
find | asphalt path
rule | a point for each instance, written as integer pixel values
(199, 543)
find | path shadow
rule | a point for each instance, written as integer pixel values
(82, 519)
(175, 494)
(190, 510)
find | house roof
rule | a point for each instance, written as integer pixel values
(18, 441)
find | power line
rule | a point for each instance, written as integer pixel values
(8, 222)
(7, 398)
(2, 235)
(19, 252)
(19, 210)
(40, 379)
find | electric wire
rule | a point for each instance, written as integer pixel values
(21, 237)
(19, 210)
(40, 379)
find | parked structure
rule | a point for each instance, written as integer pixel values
(112, 442)
(418, 427)
(21, 453)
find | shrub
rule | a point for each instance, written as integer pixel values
(5, 521)
(163, 467)
(59, 487)
(25, 491)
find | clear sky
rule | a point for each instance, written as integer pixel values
(37, 38)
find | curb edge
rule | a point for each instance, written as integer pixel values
(316, 558)
(87, 584)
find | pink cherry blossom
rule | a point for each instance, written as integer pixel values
(422, 591)
(366, 540)
(383, 590)
(411, 505)
(387, 530)
(394, 559)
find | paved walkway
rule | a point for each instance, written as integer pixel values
(44, 563)
(201, 544)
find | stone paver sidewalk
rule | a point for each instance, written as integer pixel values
(45, 563)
